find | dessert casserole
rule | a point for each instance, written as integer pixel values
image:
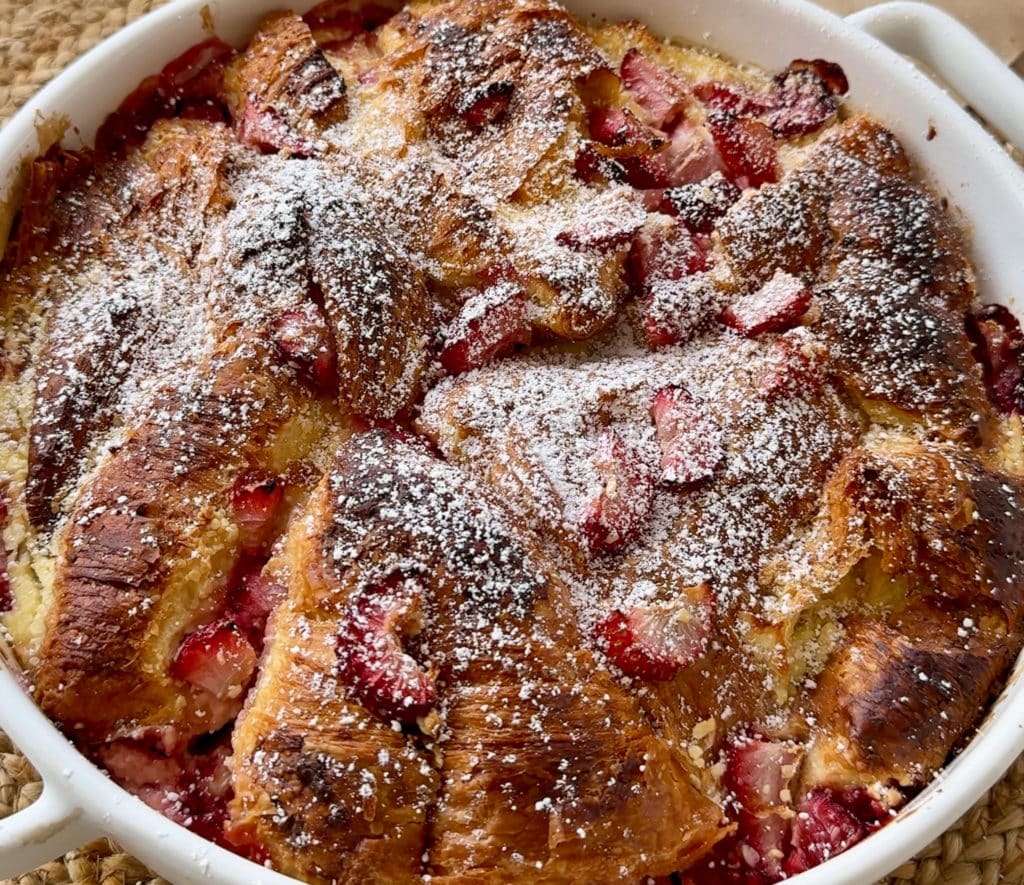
(462, 442)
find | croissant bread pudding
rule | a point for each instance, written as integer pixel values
(466, 443)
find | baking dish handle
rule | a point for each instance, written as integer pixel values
(56, 822)
(954, 53)
(49, 827)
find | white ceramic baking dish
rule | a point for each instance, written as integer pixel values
(79, 802)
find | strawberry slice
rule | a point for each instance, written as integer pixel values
(487, 104)
(747, 148)
(775, 307)
(662, 263)
(251, 599)
(794, 367)
(654, 642)
(303, 339)
(826, 824)
(690, 157)
(757, 778)
(371, 660)
(216, 658)
(758, 772)
(617, 514)
(489, 325)
(808, 94)
(999, 347)
(720, 96)
(263, 127)
(594, 167)
(620, 128)
(690, 440)
(660, 94)
(663, 251)
(256, 499)
(699, 205)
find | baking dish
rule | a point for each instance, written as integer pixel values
(80, 802)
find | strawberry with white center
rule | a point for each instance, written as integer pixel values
(618, 512)
(216, 658)
(304, 341)
(660, 94)
(256, 499)
(489, 325)
(690, 439)
(371, 660)
(775, 307)
(656, 641)
(795, 366)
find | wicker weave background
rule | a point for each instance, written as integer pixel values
(40, 37)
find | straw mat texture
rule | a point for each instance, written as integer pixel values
(38, 38)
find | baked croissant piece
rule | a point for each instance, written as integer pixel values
(461, 442)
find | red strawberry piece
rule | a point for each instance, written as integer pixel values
(486, 105)
(698, 206)
(617, 514)
(747, 148)
(263, 127)
(594, 167)
(304, 340)
(775, 307)
(794, 367)
(656, 641)
(690, 440)
(251, 599)
(371, 660)
(664, 263)
(663, 252)
(216, 658)
(602, 234)
(660, 93)
(823, 827)
(807, 97)
(489, 325)
(256, 500)
(758, 772)
(691, 156)
(999, 347)
(742, 102)
(620, 128)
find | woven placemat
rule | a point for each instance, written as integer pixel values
(38, 38)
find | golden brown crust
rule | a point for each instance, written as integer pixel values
(285, 70)
(891, 281)
(128, 586)
(523, 711)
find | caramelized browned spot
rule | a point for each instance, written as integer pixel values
(284, 69)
